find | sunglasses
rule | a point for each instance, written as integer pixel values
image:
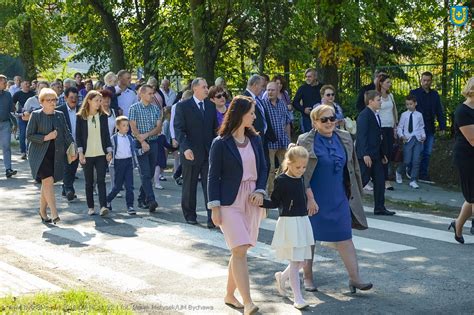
(330, 94)
(220, 95)
(326, 119)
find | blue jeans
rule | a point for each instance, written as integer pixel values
(22, 128)
(147, 163)
(426, 154)
(411, 156)
(123, 169)
(5, 141)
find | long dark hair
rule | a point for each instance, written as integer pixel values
(239, 106)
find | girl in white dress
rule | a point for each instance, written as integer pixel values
(293, 236)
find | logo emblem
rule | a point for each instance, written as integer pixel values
(458, 15)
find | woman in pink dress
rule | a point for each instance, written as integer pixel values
(236, 186)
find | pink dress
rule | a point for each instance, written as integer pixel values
(241, 220)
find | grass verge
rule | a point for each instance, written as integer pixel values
(67, 302)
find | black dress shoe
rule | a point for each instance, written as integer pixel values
(70, 195)
(152, 206)
(211, 225)
(384, 212)
(192, 222)
(142, 205)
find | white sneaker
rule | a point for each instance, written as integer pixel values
(158, 186)
(368, 187)
(91, 211)
(398, 178)
(414, 185)
(104, 211)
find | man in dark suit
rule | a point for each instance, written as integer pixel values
(262, 123)
(195, 125)
(360, 98)
(70, 110)
(369, 150)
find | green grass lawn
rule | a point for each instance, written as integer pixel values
(68, 302)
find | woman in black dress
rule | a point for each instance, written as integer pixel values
(464, 156)
(49, 139)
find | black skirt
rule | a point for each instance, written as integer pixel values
(47, 166)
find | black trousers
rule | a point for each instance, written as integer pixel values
(69, 175)
(99, 163)
(191, 174)
(387, 148)
(376, 174)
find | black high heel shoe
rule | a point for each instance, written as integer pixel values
(361, 286)
(47, 220)
(56, 220)
(459, 239)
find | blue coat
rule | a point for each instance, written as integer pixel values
(226, 170)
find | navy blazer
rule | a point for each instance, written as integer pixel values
(369, 135)
(82, 134)
(64, 110)
(193, 131)
(269, 136)
(226, 170)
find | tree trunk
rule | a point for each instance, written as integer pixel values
(265, 38)
(27, 50)
(148, 26)
(117, 54)
(444, 74)
(200, 41)
(332, 34)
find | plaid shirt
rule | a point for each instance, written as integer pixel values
(279, 118)
(145, 117)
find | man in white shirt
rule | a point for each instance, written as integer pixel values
(15, 87)
(411, 129)
(170, 95)
(125, 96)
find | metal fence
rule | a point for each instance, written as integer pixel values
(404, 78)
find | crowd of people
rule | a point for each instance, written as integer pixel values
(240, 149)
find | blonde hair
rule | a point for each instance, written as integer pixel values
(318, 112)
(85, 107)
(110, 79)
(468, 90)
(293, 153)
(46, 92)
(119, 119)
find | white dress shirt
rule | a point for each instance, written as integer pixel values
(173, 113)
(418, 126)
(196, 100)
(170, 97)
(13, 89)
(72, 118)
(123, 147)
(126, 99)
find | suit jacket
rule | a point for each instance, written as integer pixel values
(193, 130)
(352, 175)
(38, 127)
(369, 135)
(64, 110)
(269, 136)
(82, 134)
(226, 170)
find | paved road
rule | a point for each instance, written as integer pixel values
(158, 264)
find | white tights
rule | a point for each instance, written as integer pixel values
(292, 272)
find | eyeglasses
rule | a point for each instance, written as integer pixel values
(219, 95)
(49, 100)
(326, 119)
(330, 94)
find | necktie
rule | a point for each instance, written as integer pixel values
(201, 108)
(378, 119)
(410, 123)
